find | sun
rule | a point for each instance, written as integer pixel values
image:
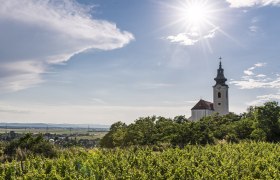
(194, 22)
(196, 13)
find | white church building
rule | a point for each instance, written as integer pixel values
(220, 99)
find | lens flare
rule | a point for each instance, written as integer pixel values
(196, 14)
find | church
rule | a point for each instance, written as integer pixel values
(220, 99)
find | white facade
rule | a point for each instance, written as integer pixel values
(220, 99)
(200, 113)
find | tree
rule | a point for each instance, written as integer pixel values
(267, 118)
(116, 135)
(180, 119)
(142, 132)
(258, 134)
(243, 128)
(166, 129)
(30, 144)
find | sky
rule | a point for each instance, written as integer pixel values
(102, 61)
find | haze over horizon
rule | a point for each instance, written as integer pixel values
(98, 62)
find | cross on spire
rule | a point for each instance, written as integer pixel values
(220, 62)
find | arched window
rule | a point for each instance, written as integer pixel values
(219, 95)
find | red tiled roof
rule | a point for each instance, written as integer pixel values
(203, 105)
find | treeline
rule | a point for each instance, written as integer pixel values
(260, 123)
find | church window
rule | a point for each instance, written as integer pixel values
(219, 95)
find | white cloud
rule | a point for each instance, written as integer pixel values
(260, 64)
(252, 81)
(191, 38)
(183, 39)
(253, 28)
(35, 34)
(256, 83)
(250, 3)
(261, 75)
(264, 98)
(248, 72)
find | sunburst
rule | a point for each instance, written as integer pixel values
(197, 14)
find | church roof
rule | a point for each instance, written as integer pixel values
(201, 105)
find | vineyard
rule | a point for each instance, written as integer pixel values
(246, 160)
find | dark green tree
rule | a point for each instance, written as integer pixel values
(30, 144)
(267, 117)
(116, 135)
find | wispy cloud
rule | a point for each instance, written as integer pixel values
(253, 28)
(251, 80)
(260, 75)
(264, 98)
(249, 71)
(260, 64)
(250, 3)
(98, 101)
(36, 34)
(191, 38)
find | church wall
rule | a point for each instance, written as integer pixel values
(198, 114)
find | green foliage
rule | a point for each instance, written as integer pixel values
(115, 137)
(260, 123)
(267, 118)
(258, 134)
(247, 160)
(243, 128)
(180, 119)
(29, 145)
(145, 131)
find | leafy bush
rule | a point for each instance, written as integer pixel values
(29, 145)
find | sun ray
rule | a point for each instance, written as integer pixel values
(194, 22)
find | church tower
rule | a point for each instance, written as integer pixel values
(220, 92)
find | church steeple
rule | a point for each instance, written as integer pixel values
(220, 79)
(220, 92)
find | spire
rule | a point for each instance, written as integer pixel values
(220, 79)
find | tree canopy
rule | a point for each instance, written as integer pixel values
(260, 123)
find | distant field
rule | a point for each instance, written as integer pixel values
(91, 134)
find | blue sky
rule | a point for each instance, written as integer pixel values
(102, 61)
